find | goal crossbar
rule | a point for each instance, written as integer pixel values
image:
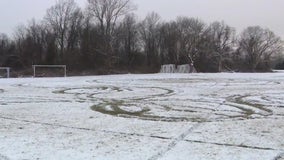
(49, 66)
(7, 70)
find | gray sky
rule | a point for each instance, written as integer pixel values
(237, 13)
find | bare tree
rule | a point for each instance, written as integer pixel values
(19, 37)
(35, 34)
(222, 38)
(169, 43)
(106, 13)
(148, 29)
(43, 47)
(128, 39)
(5, 44)
(258, 45)
(191, 34)
(64, 18)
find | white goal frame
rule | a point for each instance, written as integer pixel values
(49, 66)
(7, 71)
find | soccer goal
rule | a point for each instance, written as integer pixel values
(7, 70)
(47, 68)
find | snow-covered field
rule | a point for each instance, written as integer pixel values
(143, 117)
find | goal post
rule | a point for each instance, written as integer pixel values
(7, 71)
(49, 66)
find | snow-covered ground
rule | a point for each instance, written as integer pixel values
(228, 116)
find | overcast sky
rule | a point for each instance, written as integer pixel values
(237, 13)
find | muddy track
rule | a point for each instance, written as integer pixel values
(148, 105)
(248, 107)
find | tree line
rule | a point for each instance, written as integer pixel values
(107, 37)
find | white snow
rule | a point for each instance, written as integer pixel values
(230, 116)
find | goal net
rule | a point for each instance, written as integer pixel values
(49, 71)
(4, 72)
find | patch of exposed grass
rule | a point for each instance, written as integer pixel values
(115, 109)
(240, 100)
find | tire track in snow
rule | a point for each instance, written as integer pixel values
(234, 145)
(182, 137)
(81, 128)
(175, 142)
